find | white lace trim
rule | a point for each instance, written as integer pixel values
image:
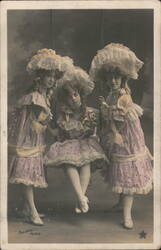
(134, 112)
(27, 183)
(136, 190)
(77, 162)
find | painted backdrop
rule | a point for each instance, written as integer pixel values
(78, 34)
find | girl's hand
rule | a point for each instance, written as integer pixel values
(118, 139)
(101, 100)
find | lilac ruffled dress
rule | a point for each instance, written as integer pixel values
(76, 146)
(27, 141)
(130, 169)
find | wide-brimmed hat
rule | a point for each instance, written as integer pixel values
(47, 59)
(115, 56)
(76, 78)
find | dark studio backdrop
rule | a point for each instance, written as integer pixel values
(78, 34)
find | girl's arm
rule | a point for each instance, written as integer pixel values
(131, 110)
(127, 110)
(117, 137)
(95, 135)
(103, 114)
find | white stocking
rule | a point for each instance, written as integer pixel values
(127, 204)
(29, 195)
(78, 182)
(85, 174)
(75, 181)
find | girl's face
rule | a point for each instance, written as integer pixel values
(49, 80)
(114, 80)
(75, 99)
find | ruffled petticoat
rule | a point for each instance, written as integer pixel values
(76, 152)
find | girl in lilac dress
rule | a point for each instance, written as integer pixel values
(130, 170)
(27, 128)
(77, 149)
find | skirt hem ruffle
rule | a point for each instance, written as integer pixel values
(76, 163)
(133, 190)
(28, 183)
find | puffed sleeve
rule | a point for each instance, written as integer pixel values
(131, 110)
(38, 104)
(34, 98)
